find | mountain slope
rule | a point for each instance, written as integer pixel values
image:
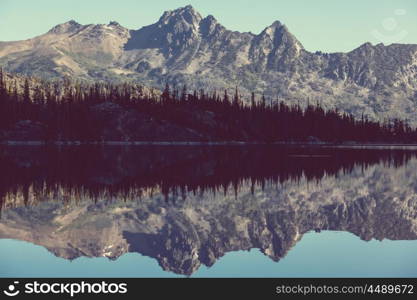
(183, 47)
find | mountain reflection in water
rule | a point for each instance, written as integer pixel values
(189, 205)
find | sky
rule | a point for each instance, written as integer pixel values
(327, 254)
(320, 25)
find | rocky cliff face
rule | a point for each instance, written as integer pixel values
(376, 203)
(184, 47)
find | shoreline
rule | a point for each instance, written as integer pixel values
(349, 145)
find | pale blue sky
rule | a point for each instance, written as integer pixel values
(326, 25)
(328, 254)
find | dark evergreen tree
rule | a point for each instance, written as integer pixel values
(66, 109)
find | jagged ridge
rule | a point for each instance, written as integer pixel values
(185, 48)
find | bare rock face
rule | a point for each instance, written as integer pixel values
(184, 47)
(69, 27)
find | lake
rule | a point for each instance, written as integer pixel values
(208, 211)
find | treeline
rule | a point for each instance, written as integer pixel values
(65, 111)
(63, 173)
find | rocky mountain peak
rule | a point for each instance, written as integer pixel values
(210, 20)
(276, 24)
(279, 34)
(184, 17)
(208, 25)
(175, 31)
(68, 27)
(114, 23)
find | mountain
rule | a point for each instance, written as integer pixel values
(183, 47)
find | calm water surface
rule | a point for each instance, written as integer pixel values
(221, 211)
